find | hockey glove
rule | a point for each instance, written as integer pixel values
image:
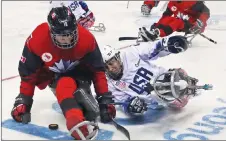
(22, 108)
(145, 10)
(175, 44)
(148, 88)
(198, 27)
(107, 110)
(87, 20)
(151, 35)
(136, 106)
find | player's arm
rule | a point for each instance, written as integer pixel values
(104, 96)
(202, 10)
(87, 19)
(129, 101)
(96, 64)
(84, 6)
(162, 47)
(28, 66)
(151, 51)
(203, 14)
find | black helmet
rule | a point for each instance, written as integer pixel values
(176, 44)
(62, 22)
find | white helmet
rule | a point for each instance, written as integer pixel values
(109, 53)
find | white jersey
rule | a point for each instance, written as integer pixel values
(138, 70)
(75, 7)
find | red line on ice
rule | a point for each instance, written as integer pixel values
(8, 78)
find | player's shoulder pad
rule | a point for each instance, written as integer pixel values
(86, 38)
(38, 37)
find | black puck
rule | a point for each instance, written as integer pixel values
(53, 126)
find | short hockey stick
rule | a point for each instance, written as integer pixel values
(127, 38)
(204, 36)
(118, 126)
(130, 38)
(121, 128)
(138, 38)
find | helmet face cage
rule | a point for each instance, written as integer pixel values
(62, 22)
(112, 75)
(72, 34)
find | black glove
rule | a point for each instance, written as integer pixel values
(198, 27)
(148, 88)
(175, 44)
(151, 35)
(107, 110)
(153, 26)
(21, 109)
(137, 105)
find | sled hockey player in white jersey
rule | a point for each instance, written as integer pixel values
(80, 9)
(135, 82)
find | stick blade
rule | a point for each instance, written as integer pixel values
(121, 128)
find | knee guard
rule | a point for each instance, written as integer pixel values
(85, 99)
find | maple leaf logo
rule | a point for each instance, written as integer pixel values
(63, 66)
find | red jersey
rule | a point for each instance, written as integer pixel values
(189, 10)
(41, 59)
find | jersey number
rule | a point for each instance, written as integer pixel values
(142, 77)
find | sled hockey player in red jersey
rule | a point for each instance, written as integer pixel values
(65, 56)
(148, 5)
(137, 83)
(181, 16)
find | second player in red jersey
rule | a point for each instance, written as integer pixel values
(182, 16)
